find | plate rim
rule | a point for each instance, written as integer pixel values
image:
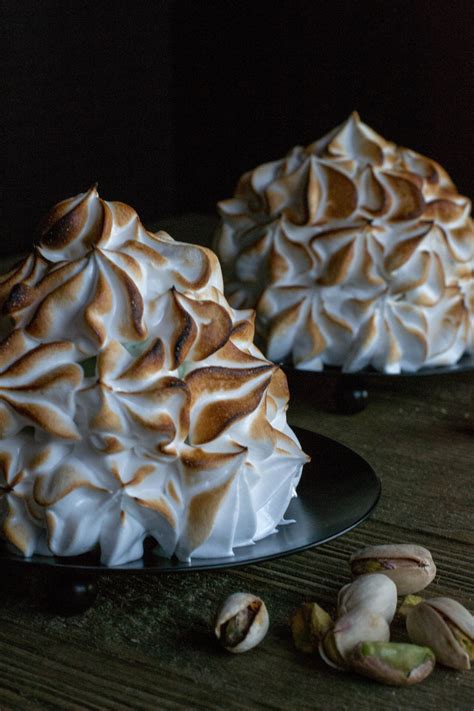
(57, 564)
(464, 365)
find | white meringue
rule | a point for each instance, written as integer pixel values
(37, 387)
(355, 252)
(97, 274)
(133, 401)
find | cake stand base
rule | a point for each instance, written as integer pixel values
(352, 395)
(70, 592)
(348, 393)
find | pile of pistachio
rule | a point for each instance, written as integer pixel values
(440, 629)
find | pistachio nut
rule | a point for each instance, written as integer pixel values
(392, 663)
(445, 626)
(309, 624)
(375, 593)
(410, 567)
(407, 604)
(358, 625)
(241, 622)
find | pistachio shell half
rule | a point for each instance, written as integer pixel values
(356, 626)
(241, 622)
(411, 567)
(375, 593)
(309, 624)
(392, 663)
(445, 626)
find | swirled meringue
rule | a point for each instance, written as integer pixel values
(96, 275)
(20, 527)
(37, 387)
(133, 401)
(355, 252)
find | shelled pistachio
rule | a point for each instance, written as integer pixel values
(407, 605)
(241, 622)
(445, 626)
(411, 567)
(392, 663)
(309, 624)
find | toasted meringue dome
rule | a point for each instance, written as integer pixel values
(355, 252)
(133, 401)
(97, 275)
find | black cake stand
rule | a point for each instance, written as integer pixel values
(337, 491)
(351, 391)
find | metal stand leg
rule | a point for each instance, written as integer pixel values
(71, 592)
(351, 395)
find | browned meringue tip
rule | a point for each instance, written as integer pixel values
(59, 209)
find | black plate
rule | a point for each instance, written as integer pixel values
(348, 393)
(338, 490)
(465, 364)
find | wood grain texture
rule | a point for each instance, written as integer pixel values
(147, 643)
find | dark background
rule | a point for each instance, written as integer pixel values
(166, 103)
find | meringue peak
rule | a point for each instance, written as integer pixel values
(133, 401)
(373, 222)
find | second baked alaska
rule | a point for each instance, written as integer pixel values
(355, 252)
(133, 401)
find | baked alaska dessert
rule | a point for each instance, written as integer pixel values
(355, 252)
(133, 401)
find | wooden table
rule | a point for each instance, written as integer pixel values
(147, 642)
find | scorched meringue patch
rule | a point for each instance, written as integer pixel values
(133, 401)
(355, 252)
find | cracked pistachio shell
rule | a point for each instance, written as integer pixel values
(375, 592)
(392, 663)
(309, 624)
(241, 622)
(445, 626)
(356, 626)
(411, 567)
